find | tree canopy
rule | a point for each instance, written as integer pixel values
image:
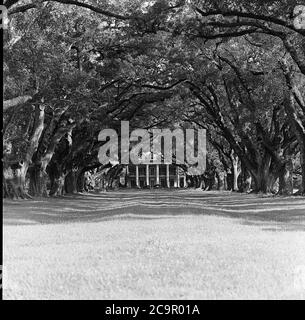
(233, 67)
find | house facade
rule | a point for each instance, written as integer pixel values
(150, 175)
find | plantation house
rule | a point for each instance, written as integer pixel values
(150, 175)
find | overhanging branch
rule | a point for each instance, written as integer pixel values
(23, 8)
(250, 15)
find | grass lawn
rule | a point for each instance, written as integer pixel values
(184, 244)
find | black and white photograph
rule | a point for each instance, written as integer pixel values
(153, 150)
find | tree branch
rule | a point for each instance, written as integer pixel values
(163, 88)
(249, 15)
(16, 101)
(26, 7)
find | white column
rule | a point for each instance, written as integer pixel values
(177, 177)
(184, 181)
(127, 177)
(137, 176)
(167, 176)
(157, 174)
(147, 174)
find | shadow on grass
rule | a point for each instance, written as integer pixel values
(270, 213)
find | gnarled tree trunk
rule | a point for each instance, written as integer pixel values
(57, 185)
(14, 181)
(14, 175)
(295, 110)
(70, 182)
(221, 180)
(286, 178)
(38, 178)
(38, 181)
(246, 180)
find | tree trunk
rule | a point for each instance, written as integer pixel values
(246, 181)
(14, 181)
(57, 185)
(264, 182)
(261, 182)
(295, 115)
(80, 181)
(38, 179)
(70, 182)
(38, 182)
(286, 178)
(15, 174)
(236, 173)
(264, 178)
(302, 160)
(221, 180)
